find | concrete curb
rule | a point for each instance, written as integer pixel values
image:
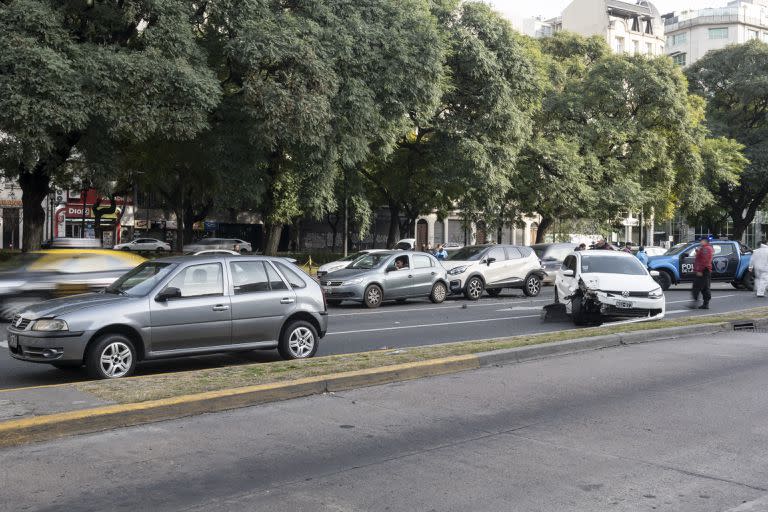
(54, 426)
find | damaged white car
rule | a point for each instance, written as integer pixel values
(597, 285)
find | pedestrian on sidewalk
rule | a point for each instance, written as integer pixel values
(627, 248)
(758, 265)
(702, 265)
(441, 253)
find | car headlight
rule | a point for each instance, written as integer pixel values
(656, 293)
(458, 270)
(357, 280)
(50, 325)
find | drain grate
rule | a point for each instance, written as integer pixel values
(744, 326)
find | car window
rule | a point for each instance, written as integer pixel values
(594, 263)
(497, 253)
(275, 281)
(142, 279)
(402, 258)
(403, 246)
(470, 253)
(676, 249)
(513, 253)
(291, 275)
(199, 280)
(368, 261)
(420, 261)
(249, 277)
(722, 249)
(558, 252)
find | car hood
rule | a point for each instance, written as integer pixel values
(619, 282)
(449, 264)
(64, 305)
(333, 266)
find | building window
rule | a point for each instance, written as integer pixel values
(765, 37)
(718, 33)
(649, 48)
(636, 47)
(635, 25)
(676, 39)
(679, 59)
(649, 27)
(752, 34)
(619, 45)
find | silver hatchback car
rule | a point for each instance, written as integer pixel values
(176, 307)
(387, 275)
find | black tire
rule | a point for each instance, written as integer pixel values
(160, 249)
(125, 249)
(473, 290)
(373, 296)
(738, 285)
(334, 302)
(664, 280)
(299, 340)
(532, 286)
(494, 292)
(111, 345)
(748, 281)
(439, 292)
(557, 297)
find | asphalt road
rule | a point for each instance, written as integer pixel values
(418, 322)
(676, 426)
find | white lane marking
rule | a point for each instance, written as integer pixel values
(457, 305)
(520, 308)
(3, 344)
(432, 325)
(713, 298)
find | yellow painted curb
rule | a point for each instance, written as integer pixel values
(54, 426)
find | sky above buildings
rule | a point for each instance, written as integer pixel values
(550, 8)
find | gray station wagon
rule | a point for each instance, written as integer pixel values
(387, 275)
(176, 307)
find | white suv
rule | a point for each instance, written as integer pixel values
(492, 268)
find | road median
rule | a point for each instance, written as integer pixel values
(152, 398)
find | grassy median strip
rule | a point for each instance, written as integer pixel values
(152, 387)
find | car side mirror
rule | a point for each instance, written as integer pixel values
(168, 293)
(568, 273)
(655, 273)
(490, 260)
(684, 255)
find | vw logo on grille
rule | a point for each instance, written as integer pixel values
(18, 322)
(625, 294)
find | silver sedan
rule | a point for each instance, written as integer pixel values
(387, 275)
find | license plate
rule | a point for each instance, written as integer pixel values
(623, 304)
(13, 340)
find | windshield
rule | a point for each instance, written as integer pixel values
(368, 261)
(141, 280)
(472, 253)
(353, 257)
(676, 249)
(593, 263)
(403, 246)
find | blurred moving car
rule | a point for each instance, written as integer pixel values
(36, 276)
(333, 266)
(144, 244)
(552, 257)
(226, 252)
(595, 285)
(218, 243)
(655, 251)
(71, 243)
(190, 305)
(492, 268)
(406, 244)
(377, 277)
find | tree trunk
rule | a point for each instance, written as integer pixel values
(394, 224)
(35, 186)
(273, 232)
(544, 225)
(739, 228)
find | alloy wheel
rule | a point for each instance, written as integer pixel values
(116, 359)
(301, 342)
(534, 286)
(374, 296)
(475, 288)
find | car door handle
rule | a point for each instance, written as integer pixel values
(434, 273)
(287, 301)
(220, 307)
(410, 276)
